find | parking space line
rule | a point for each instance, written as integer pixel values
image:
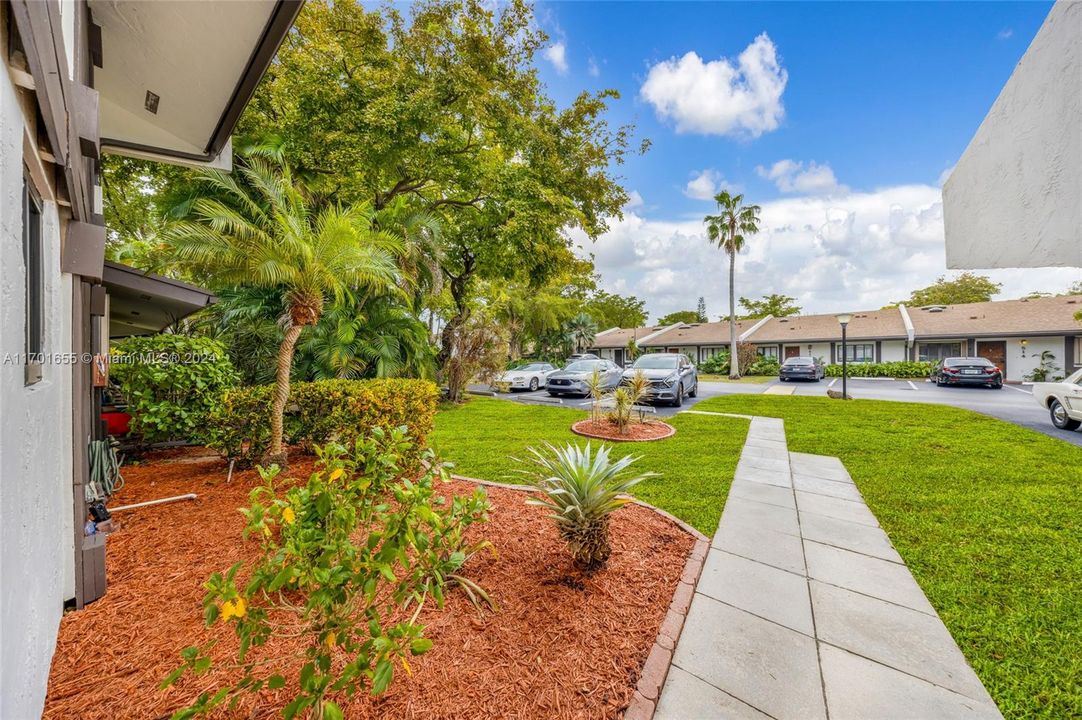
(911, 385)
(832, 383)
(1012, 387)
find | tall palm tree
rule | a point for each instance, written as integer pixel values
(583, 329)
(728, 230)
(261, 231)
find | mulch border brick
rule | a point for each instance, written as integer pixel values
(656, 667)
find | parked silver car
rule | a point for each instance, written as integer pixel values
(672, 377)
(574, 379)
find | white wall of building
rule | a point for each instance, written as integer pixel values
(893, 351)
(1013, 197)
(1022, 361)
(36, 538)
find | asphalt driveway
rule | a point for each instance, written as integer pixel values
(1012, 403)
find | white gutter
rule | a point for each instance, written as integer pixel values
(747, 333)
(654, 334)
(909, 331)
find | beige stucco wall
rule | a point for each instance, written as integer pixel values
(1013, 199)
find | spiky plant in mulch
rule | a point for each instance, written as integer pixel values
(582, 489)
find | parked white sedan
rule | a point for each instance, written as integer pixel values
(1063, 400)
(526, 377)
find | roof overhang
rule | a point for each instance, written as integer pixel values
(176, 75)
(143, 303)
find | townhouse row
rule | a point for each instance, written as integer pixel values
(1017, 335)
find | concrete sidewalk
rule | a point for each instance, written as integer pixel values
(805, 610)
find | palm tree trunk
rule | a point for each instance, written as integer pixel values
(734, 360)
(276, 453)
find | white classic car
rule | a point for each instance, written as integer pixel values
(525, 377)
(1063, 400)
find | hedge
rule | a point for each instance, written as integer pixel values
(319, 412)
(900, 369)
(171, 382)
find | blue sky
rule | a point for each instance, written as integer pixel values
(839, 118)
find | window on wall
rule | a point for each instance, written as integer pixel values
(769, 351)
(1078, 351)
(34, 343)
(861, 352)
(932, 352)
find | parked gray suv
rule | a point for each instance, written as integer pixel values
(672, 377)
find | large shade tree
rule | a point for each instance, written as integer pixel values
(442, 106)
(258, 228)
(729, 230)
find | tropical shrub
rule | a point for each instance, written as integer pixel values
(171, 383)
(478, 352)
(1047, 369)
(625, 398)
(716, 365)
(763, 365)
(340, 558)
(319, 412)
(897, 369)
(747, 354)
(582, 490)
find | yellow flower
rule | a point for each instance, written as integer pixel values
(234, 608)
(330, 640)
(406, 667)
(337, 474)
(289, 516)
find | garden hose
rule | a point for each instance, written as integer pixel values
(105, 477)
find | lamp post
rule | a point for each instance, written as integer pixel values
(843, 320)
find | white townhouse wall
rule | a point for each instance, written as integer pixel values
(1012, 199)
(36, 536)
(893, 351)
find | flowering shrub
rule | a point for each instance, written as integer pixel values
(171, 383)
(319, 412)
(343, 554)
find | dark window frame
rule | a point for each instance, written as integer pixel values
(924, 356)
(34, 283)
(867, 353)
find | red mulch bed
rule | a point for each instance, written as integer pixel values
(635, 432)
(561, 644)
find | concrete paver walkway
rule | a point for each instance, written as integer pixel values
(805, 610)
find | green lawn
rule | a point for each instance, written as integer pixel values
(744, 379)
(696, 465)
(988, 516)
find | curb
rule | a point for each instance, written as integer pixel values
(656, 668)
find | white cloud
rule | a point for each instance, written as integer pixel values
(592, 68)
(944, 175)
(557, 55)
(720, 97)
(705, 185)
(793, 177)
(634, 200)
(857, 252)
(1004, 34)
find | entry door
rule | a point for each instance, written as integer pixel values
(994, 350)
(792, 351)
(619, 356)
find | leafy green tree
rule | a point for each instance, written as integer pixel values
(700, 310)
(611, 310)
(773, 304)
(729, 230)
(967, 287)
(444, 108)
(263, 233)
(680, 316)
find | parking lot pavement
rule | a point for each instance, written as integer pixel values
(1012, 403)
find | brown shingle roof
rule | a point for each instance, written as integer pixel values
(618, 338)
(1052, 315)
(712, 333)
(878, 324)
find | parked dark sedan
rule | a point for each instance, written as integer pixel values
(801, 368)
(967, 371)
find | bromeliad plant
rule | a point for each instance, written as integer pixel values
(625, 398)
(582, 489)
(340, 556)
